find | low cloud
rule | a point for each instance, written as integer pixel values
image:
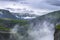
(49, 5)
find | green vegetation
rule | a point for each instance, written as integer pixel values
(4, 28)
(58, 26)
(21, 22)
(6, 24)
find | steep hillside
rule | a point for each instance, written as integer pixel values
(52, 18)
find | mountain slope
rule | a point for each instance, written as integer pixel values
(52, 18)
(6, 14)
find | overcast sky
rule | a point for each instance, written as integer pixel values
(33, 4)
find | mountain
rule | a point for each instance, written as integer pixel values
(6, 14)
(6, 26)
(52, 16)
(50, 21)
(9, 20)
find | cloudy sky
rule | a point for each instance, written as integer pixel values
(39, 5)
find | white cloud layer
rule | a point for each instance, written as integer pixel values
(37, 6)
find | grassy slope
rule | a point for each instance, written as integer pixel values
(4, 23)
(58, 27)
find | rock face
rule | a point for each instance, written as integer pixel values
(4, 36)
(57, 35)
(7, 24)
(57, 32)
